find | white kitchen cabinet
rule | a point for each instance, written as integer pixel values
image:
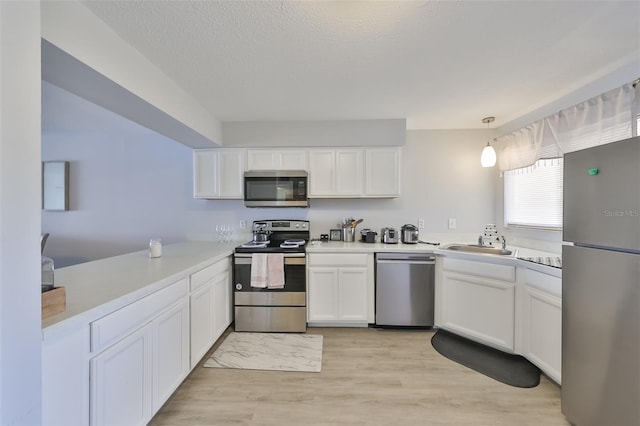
(542, 322)
(210, 302)
(338, 289)
(336, 173)
(218, 173)
(140, 356)
(121, 381)
(277, 159)
(478, 301)
(382, 172)
(170, 352)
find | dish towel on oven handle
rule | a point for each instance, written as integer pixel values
(275, 270)
(259, 270)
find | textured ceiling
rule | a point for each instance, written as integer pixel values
(439, 64)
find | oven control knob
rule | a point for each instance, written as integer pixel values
(238, 286)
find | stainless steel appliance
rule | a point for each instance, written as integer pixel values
(389, 236)
(410, 234)
(276, 188)
(367, 235)
(601, 285)
(273, 309)
(405, 284)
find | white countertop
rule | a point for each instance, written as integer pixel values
(377, 247)
(360, 247)
(94, 289)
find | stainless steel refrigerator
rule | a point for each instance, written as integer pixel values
(601, 285)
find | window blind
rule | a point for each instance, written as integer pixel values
(533, 195)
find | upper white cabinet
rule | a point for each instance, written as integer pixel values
(277, 159)
(354, 172)
(335, 173)
(218, 173)
(382, 172)
(478, 301)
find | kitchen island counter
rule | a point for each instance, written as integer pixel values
(94, 289)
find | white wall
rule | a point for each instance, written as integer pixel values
(73, 28)
(20, 325)
(128, 184)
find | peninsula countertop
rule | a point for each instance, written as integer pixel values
(94, 289)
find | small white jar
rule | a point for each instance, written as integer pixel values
(155, 247)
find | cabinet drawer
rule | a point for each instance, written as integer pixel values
(480, 269)
(337, 259)
(205, 275)
(111, 328)
(544, 282)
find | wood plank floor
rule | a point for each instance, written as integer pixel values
(369, 377)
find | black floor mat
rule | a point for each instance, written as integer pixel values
(513, 370)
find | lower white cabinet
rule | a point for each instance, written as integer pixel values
(210, 302)
(121, 381)
(338, 294)
(170, 352)
(478, 301)
(542, 322)
(131, 378)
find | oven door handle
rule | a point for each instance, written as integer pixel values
(289, 259)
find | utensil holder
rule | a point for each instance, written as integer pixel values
(348, 234)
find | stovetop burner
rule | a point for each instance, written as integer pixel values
(285, 236)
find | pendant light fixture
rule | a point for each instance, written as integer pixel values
(488, 156)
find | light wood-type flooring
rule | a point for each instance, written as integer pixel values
(369, 377)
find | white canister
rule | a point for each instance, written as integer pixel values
(155, 247)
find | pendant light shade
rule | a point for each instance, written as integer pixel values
(488, 156)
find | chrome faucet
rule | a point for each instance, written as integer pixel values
(480, 241)
(504, 242)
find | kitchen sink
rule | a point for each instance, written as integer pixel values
(475, 248)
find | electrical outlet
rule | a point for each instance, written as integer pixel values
(243, 224)
(420, 223)
(452, 223)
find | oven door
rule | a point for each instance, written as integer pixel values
(271, 310)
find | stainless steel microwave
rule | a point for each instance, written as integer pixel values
(276, 188)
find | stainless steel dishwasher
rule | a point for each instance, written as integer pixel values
(405, 285)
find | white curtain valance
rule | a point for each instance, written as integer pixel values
(605, 118)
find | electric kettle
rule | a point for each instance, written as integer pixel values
(409, 234)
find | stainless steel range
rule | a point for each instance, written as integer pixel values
(276, 252)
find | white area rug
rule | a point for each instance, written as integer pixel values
(269, 351)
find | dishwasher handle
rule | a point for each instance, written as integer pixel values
(406, 262)
(404, 258)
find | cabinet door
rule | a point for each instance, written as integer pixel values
(352, 296)
(382, 167)
(201, 322)
(277, 159)
(121, 381)
(322, 181)
(349, 173)
(171, 352)
(231, 173)
(322, 294)
(292, 159)
(205, 181)
(221, 289)
(542, 331)
(218, 173)
(480, 309)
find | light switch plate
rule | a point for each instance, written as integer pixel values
(452, 223)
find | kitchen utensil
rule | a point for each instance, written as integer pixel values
(348, 233)
(410, 234)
